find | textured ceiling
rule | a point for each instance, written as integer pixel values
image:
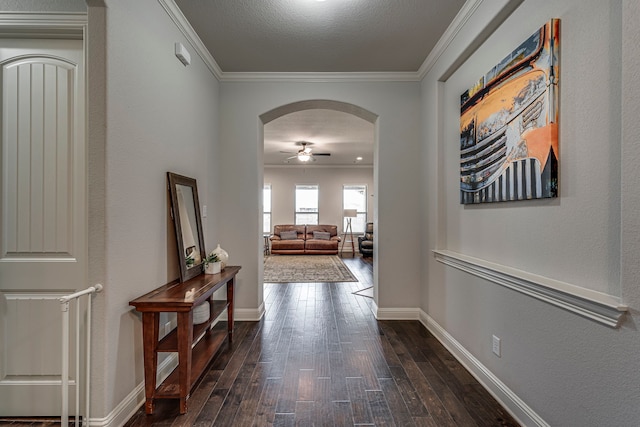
(337, 36)
(343, 135)
(319, 36)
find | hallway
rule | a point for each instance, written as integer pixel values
(319, 357)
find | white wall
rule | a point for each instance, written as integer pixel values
(160, 116)
(330, 180)
(571, 371)
(397, 107)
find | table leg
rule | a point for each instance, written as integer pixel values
(150, 327)
(185, 339)
(230, 292)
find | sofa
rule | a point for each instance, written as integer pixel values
(365, 242)
(305, 239)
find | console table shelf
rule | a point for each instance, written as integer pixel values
(195, 344)
(169, 343)
(203, 352)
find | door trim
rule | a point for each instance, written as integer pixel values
(44, 26)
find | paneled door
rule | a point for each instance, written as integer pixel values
(43, 249)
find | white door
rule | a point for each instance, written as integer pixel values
(43, 249)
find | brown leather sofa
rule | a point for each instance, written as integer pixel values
(308, 239)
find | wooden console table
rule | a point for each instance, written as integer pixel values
(192, 362)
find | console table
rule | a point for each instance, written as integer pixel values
(182, 298)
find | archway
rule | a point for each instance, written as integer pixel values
(358, 114)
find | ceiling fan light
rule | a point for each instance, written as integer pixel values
(304, 157)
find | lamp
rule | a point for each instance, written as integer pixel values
(304, 156)
(349, 213)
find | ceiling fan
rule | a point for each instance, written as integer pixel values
(305, 154)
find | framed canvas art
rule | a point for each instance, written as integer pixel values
(509, 125)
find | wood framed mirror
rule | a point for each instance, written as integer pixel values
(185, 210)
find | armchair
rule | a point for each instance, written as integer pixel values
(365, 242)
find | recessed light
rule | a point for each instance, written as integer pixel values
(358, 158)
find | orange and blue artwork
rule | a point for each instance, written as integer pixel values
(509, 125)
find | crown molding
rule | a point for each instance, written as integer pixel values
(322, 77)
(192, 37)
(600, 307)
(306, 166)
(468, 9)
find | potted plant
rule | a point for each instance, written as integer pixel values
(190, 261)
(212, 264)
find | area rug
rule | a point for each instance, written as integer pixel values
(306, 269)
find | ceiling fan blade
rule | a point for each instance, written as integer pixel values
(292, 157)
(321, 154)
(287, 152)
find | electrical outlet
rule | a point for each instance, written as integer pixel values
(497, 350)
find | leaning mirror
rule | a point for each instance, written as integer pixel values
(185, 210)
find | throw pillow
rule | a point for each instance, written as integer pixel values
(288, 235)
(321, 235)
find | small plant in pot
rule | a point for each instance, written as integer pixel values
(190, 261)
(212, 264)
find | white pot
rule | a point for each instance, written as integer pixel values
(223, 256)
(213, 268)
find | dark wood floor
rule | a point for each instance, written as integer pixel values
(320, 358)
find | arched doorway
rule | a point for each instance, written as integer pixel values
(337, 131)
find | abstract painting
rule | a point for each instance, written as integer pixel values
(509, 125)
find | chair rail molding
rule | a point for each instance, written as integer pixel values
(600, 307)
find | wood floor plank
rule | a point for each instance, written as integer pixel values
(396, 403)
(249, 404)
(266, 410)
(289, 393)
(379, 408)
(323, 409)
(342, 415)
(359, 403)
(338, 376)
(304, 411)
(284, 420)
(455, 408)
(210, 410)
(232, 402)
(306, 385)
(409, 394)
(428, 395)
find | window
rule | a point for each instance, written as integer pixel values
(266, 209)
(355, 197)
(306, 205)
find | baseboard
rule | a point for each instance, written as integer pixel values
(134, 400)
(249, 314)
(396, 313)
(503, 394)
